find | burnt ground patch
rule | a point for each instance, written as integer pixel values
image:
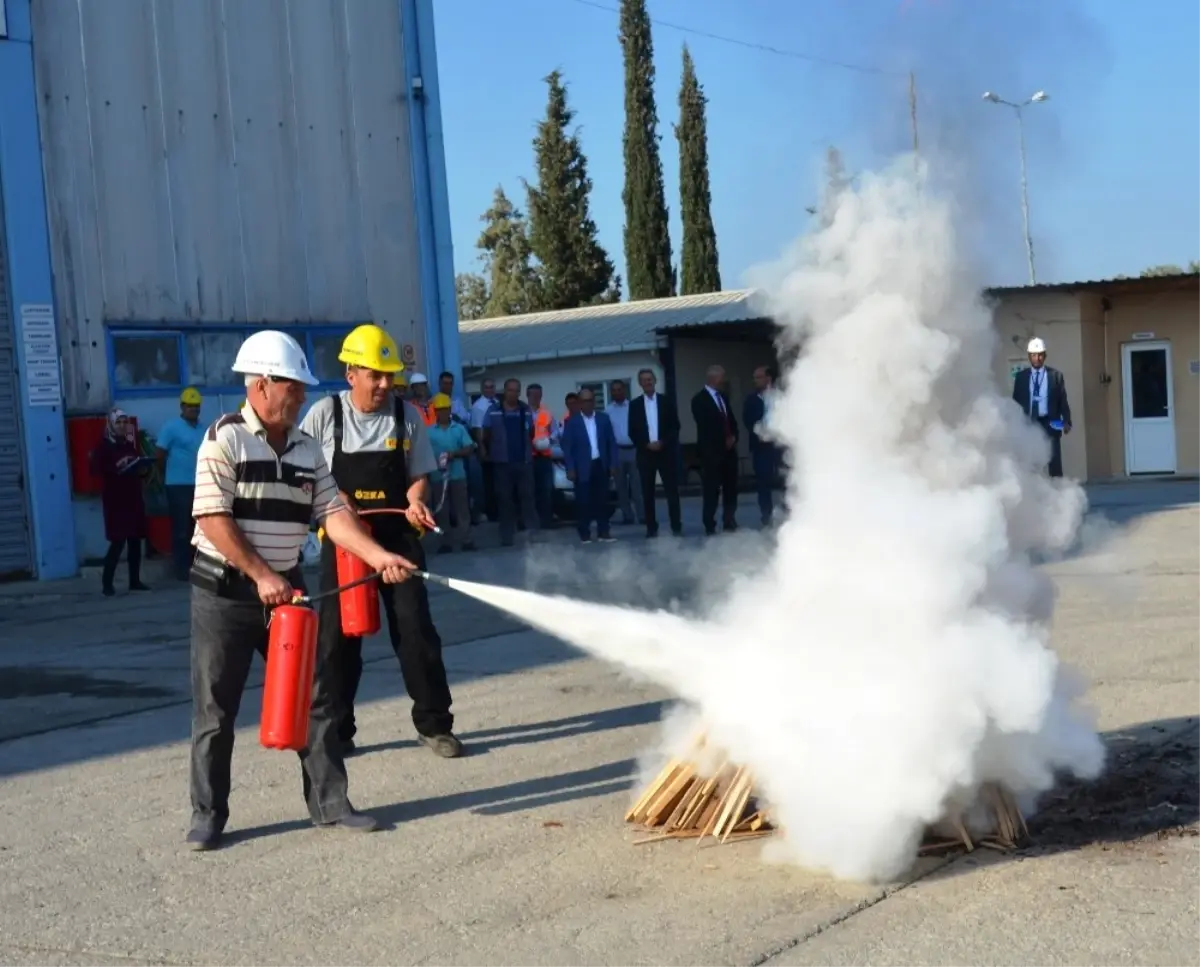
(1150, 791)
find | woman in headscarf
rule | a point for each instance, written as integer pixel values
(121, 469)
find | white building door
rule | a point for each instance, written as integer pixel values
(1149, 407)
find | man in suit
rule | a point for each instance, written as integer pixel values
(716, 443)
(1041, 392)
(765, 454)
(654, 430)
(590, 453)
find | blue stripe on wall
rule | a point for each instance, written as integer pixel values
(47, 467)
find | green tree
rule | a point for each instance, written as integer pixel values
(647, 234)
(700, 265)
(471, 293)
(512, 282)
(573, 268)
(1156, 270)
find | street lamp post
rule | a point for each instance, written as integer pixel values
(1018, 110)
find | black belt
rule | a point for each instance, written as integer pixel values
(211, 574)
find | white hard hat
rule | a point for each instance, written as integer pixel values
(416, 378)
(272, 353)
(1035, 346)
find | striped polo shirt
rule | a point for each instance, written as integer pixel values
(271, 497)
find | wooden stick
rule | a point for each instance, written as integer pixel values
(696, 809)
(1014, 810)
(961, 828)
(740, 808)
(709, 819)
(666, 802)
(940, 844)
(730, 801)
(685, 800)
(664, 776)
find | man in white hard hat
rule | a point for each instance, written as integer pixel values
(1041, 392)
(260, 480)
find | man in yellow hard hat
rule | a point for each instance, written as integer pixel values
(378, 447)
(452, 444)
(175, 449)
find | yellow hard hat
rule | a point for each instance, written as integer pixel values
(441, 401)
(372, 348)
(191, 397)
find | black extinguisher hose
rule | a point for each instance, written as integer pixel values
(310, 598)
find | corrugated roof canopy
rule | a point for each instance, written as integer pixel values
(592, 330)
(629, 326)
(1140, 283)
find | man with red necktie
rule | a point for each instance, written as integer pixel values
(716, 444)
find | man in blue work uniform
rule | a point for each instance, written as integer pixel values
(175, 449)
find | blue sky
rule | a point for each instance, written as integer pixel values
(1114, 155)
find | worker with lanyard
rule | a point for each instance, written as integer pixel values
(378, 447)
(259, 482)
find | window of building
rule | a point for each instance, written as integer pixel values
(603, 390)
(146, 361)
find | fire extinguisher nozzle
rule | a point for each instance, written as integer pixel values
(435, 578)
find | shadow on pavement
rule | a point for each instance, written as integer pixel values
(517, 796)
(494, 801)
(483, 741)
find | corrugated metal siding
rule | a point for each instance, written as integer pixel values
(224, 161)
(15, 558)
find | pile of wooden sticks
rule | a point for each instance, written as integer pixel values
(1008, 826)
(683, 803)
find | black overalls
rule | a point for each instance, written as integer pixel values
(378, 479)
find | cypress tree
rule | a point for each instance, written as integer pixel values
(574, 269)
(647, 235)
(700, 264)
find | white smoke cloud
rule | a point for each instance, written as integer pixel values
(895, 654)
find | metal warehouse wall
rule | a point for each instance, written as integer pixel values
(214, 162)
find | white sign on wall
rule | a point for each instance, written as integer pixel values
(43, 380)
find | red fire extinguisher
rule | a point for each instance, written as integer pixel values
(359, 604)
(291, 664)
(287, 692)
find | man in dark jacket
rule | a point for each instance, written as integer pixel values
(764, 453)
(716, 444)
(654, 430)
(1041, 392)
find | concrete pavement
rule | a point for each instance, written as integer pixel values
(517, 854)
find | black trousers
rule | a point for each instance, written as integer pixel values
(719, 479)
(179, 504)
(225, 636)
(113, 557)
(660, 463)
(414, 638)
(591, 502)
(1054, 467)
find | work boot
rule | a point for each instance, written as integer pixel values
(446, 745)
(352, 822)
(201, 839)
